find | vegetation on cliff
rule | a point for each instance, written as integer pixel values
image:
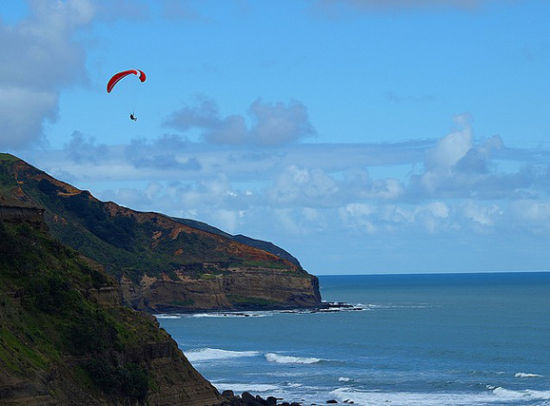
(64, 337)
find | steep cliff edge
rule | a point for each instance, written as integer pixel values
(163, 263)
(66, 339)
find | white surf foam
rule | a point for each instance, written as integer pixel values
(344, 379)
(231, 314)
(527, 394)
(286, 359)
(167, 316)
(206, 354)
(527, 375)
(342, 307)
(496, 396)
(262, 313)
(245, 387)
(391, 306)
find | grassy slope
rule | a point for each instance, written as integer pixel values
(121, 239)
(48, 325)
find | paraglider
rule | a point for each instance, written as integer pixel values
(117, 77)
(120, 75)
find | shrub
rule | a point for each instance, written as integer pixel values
(131, 380)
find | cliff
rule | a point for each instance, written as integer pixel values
(66, 339)
(162, 263)
(20, 214)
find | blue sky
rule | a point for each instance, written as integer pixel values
(364, 136)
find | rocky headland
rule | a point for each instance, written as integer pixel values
(162, 263)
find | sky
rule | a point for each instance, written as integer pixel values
(363, 136)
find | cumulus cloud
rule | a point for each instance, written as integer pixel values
(458, 167)
(482, 215)
(316, 187)
(162, 154)
(277, 123)
(307, 186)
(84, 149)
(22, 112)
(271, 123)
(39, 57)
(458, 183)
(532, 214)
(451, 148)
(376, 218)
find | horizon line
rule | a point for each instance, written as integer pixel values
(438, 273)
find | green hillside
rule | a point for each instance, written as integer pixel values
(63, 334)
(125, 241)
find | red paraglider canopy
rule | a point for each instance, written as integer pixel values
(118, 76)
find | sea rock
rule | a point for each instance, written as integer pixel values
(228, 394)
(271, 401)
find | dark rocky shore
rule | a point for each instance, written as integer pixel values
(247, 399)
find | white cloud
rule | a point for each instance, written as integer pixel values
(39, 57)
(277, 123)
(271, 123)
(482, 215)
(227, 220)
(358, 216)
(451, 148)
(22, 111)
(297, 185)
(531, 214)
(479, 186)
(84, 149)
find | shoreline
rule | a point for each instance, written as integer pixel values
(326, 307)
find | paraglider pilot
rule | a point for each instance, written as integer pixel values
(120, 75)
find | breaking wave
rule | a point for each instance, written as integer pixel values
(527, 375)
(286, 359)
(206, 354)
(496, 396)
(245, 387)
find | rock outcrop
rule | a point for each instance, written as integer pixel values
(33, 216)
(235, 289)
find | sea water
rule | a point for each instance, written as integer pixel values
(460, 339)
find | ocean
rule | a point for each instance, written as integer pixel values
(445, 339)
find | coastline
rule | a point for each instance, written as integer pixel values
(325, 307)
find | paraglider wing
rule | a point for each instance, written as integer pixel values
(120, 75)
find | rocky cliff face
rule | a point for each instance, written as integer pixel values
(66, 340)
(21, 214)
(235, 289)
(161, 262)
